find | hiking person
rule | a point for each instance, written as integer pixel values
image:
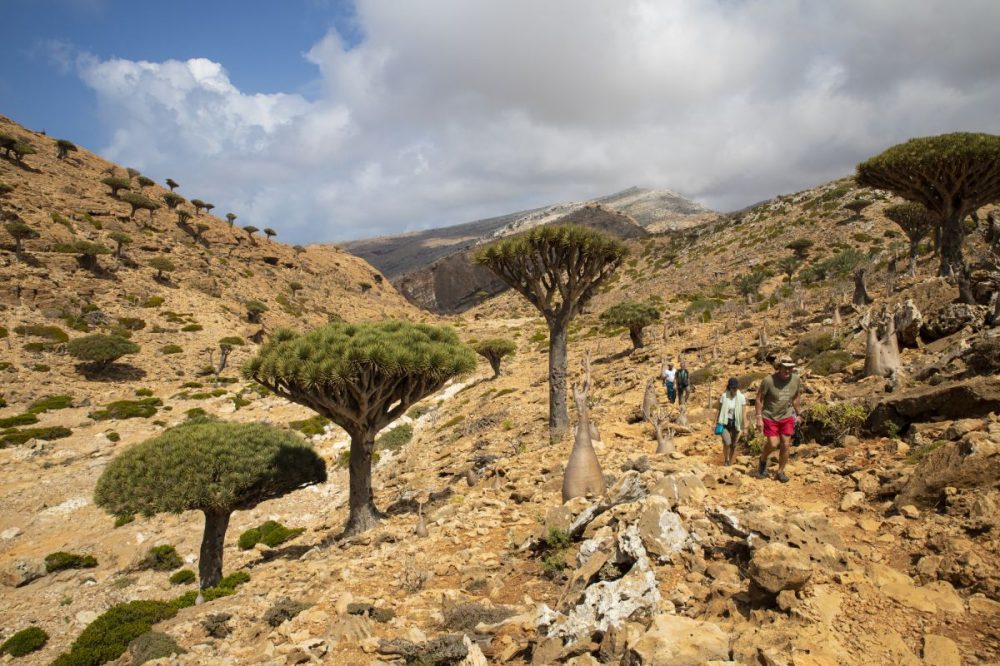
(683, 380)
(669, 377)
(732, 418)
(777, 406)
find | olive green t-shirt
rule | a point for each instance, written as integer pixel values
(778, 396)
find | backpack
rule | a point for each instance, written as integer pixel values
(682, 377)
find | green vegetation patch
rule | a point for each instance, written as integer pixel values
(25, 642)
(315, 425)
(270, 533)
(182, 577)
(127, 409)
(161, 558)
(50, 403)
(830, 362)
(395, 439)
(20, 436)
(813, 344)
(61, 560)
(53, 333)
(107, 637)
(18, 420)
(171, 349)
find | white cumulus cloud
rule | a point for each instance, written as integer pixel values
(449, 110)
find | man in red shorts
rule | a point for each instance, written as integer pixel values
(777, 407)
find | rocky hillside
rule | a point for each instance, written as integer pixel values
(69, 279)
(432, 269)
(883, 548)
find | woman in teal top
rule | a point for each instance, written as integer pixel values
(732, 419)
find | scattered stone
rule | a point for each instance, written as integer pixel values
(909, 511)
(284, 609)
(852, 500)
(447, 649)
(776, 567)
(674, 640)
(940, 651)
(22, 571)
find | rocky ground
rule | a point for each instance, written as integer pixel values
(882, 549)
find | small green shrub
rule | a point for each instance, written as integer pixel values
(191, 328)
(113, 436)
(182, 577)
(270, 533)
(830, 362)
(18, 420)
(918, 454)
(703, 375)
(53, 333)
(161, 558)
(61, 560)
(171, 349)
(153, 302)
(455, 420)
(813, 344)
(127, 409)
(836, 419)
(25, 642)
(132, 323)
(15, 436)
(144, 392)
(315, 425)
(226, 587)
(419, 410)
(396, 438)
(107, 637)
(50, 403)
(41, 367)
(153, 645)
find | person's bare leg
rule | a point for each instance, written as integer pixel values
(770, 445)
(783, 453)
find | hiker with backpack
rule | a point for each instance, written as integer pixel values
(732, 419)
(777, 407)
(683, 380)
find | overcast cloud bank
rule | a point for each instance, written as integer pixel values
(449, 111)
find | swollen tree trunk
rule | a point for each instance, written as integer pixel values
(363, 515)
(558, 416)
(861, 296)
(583, 475)
(210, 557)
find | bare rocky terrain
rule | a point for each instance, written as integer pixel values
(882, 549)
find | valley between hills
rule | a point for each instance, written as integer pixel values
(882, 548)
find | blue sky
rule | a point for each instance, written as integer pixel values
(333, 120)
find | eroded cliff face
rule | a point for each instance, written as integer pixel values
(453, 284)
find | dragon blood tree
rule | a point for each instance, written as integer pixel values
(209, 466)
(558, 268)
(362, 377)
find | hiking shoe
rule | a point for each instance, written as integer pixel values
(762, 470)
(782, 477)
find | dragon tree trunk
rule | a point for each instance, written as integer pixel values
(210, 558)
(363, 515)
(558, 416)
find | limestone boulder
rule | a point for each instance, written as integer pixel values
(681, 489)
(674, 640)
(22, 571)
(777, 567)
(953, 318)
(957, 465)
(966, 398)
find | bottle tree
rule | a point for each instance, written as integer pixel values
(362, 377)
(952, 175)
(213, 467)
(558, 268)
